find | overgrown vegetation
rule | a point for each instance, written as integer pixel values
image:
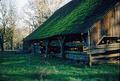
(28, 67)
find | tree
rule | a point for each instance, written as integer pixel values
(12, 22)
(55, 4)
(3, 19)
(7, 22)
(38, 11)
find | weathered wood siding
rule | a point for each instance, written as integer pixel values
(108, 26)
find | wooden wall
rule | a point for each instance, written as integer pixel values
(108, 26)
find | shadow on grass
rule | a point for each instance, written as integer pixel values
(21, 77)
(60, 77)
(92, 77)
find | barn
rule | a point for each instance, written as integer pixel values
(84, 30)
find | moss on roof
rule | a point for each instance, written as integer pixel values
(75, 17)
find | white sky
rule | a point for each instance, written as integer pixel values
(21, 3)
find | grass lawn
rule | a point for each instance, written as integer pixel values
(25, 67)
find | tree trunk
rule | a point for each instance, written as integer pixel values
(2, 47)
(11, 43)
(2, 43)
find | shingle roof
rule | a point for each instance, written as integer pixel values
(75, 17)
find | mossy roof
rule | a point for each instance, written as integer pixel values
(75, 17)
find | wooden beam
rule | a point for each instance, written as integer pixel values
(46, 47)
(89, 52)
(62, 43)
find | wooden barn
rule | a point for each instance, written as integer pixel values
(84, 30)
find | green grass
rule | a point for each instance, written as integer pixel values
(24, 67)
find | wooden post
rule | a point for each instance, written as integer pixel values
(46, 47)
(89, 43)
(61, 41)
(90, 60)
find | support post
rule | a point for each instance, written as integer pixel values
(89, 52)
(90, 60)
(62, 49)
(46, 47)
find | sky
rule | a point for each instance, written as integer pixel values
(21, 3)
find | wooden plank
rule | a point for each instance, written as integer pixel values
(105, 39)
(58, 55)
(55, 43)
(75, 52)
(104, 48)
(108, 52)
(73, 44)
(82, 57)
(113, 45)
(108, 56)
(105, 61)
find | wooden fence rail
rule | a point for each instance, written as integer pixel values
(100, 57)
